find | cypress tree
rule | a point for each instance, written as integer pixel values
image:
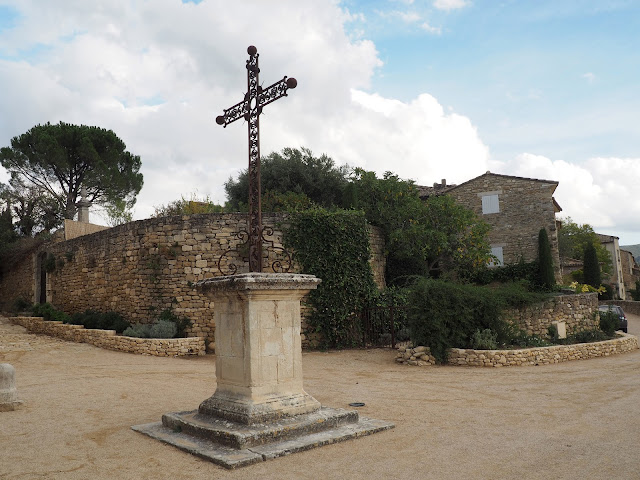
(591, 267)
(546, 277)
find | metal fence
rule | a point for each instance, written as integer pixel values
(380, 326)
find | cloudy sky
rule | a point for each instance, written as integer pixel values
(427, 89)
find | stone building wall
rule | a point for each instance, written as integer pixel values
(577, 311)
(143, 267)
(524, 207)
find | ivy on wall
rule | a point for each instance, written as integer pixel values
(333, 246)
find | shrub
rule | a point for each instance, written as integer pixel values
(100, 320)
(443, 315)
(181, 323)
(546, 277)
(587, 336)
(484, 340)
(22, 305)
(334, 246)
(137, 330)
(163, 329)
(609, 323)
(591, 266)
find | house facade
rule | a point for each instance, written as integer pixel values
(516, 208)
(616, 280)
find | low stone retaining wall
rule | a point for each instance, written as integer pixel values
(159, 347)
(629, 306)
(421, 356)
(576, 310)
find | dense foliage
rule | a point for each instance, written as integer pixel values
(52, 162)
(591, 270)
(334, 246)
(429, 237)
(444, 314)
(573, 240)
(546, 277)
(296, 171)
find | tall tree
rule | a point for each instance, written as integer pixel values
(433, 237)
(59, 159)
(591, 267)
(574, 238)
(293, 170)
(546, 276)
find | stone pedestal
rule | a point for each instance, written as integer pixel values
(8, 393)
(259, 409)
(258, 349)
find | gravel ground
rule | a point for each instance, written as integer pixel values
(576, 420)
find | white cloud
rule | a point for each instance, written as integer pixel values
(450, 4)
(590, 77)
(428, 28)
(601, 192)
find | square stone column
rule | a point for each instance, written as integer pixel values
(258, 347)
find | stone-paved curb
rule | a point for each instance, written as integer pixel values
(421, 356)
(159, 347)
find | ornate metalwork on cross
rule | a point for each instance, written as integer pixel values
(250, 109)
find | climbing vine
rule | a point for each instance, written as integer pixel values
(334, 246)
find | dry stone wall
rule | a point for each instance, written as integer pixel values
(577, 311)
(159, 347)
(141, 268)
(421, 356)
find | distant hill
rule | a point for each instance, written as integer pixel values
(634, 249)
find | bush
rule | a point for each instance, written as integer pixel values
(48, 312)
(609, 323)
(163, 329)
(22, 305)
(484, 340)
(181, 323)
(443, 315)
(138, 330)
(100, 320)
(587, 336)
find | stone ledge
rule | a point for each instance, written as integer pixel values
(159, 347)
(421, 356)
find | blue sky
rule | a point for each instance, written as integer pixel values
(428, 89)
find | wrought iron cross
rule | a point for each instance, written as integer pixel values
(250, 109)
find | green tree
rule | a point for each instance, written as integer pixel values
(423, 237)
(59, 159)
(591, 267)
(546, 276)
(32, 210)
(296, 171)
(573, 240)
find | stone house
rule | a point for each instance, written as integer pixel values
(515, 207)
(616, 279)
(630, 272)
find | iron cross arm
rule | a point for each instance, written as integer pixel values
(265, 97)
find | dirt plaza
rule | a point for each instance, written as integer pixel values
(572, 420)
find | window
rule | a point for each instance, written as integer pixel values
(490, 204)
(496, 252)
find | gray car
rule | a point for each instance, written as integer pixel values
(618, 311)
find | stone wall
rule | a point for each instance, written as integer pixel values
(525, 206)
(159, 347)
(141, 268)
(577, 311)
(421, 356)
(629, 306)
